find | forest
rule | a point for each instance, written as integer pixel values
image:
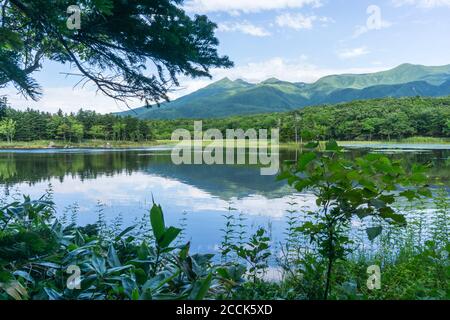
(381, 119)
(378, 119)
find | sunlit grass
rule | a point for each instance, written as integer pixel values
(43, 144)
(421, 140)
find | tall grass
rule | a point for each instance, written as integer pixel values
(413, 260)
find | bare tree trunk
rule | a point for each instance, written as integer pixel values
(331, 256)
(328, 281)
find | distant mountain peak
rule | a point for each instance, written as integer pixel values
(226, 97)
(222, 83)
(224, 80)
(407, 65)
(242, 81)
(271, 80)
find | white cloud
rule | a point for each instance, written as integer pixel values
(68, 99)
(246, 6)
(295, 21)
(244, 27)
(423, 3)
(353, 53)
(298, 70)
(326, 20)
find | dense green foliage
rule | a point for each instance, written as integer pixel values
(383, 119)
(44, 255)
(8, 129)
(36, 248)
(364, 188)
(230, 98)
(40, 258)
(127, 49)
(35, 125)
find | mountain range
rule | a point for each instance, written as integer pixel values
(227, 98)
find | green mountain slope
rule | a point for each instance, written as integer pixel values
(225, 97)
(410, 89)
(402, 74)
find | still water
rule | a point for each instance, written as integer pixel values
(197, 196)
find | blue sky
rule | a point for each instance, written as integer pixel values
(293, 40)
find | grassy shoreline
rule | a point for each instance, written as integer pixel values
(101, 144)
(412, 140)
(88, 144)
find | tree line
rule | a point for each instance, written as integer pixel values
(29, 125)
(381, 119)
(378, 119)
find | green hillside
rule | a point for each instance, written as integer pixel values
(227, 98)
(400, 75)
(374, 119)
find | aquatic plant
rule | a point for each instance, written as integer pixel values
(364, 188)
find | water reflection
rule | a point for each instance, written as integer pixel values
(124, 181)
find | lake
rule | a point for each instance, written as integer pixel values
(122, 183)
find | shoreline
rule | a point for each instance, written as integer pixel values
(115, 145)
(87, 145)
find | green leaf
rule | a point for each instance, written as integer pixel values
(301, 185)
(184, 252)
(98, 264)
(311, 145)
(201, 288)
(353, 175)
(387, 199)
(10, 40)
(118, 269)
(157, 221)
(374, 232)
(373, 157)
(354, 195)
(48, 265)
(53, 294)
(24, 275)
(418, 178)
(158, 281)
(135, 294)
(113, 259)
(377, 203)
(363, 212)
(143, 251)
(408, 194)
(124, 232)
(389, 213)
(129, 285)
(284, 175)
(223, 273)
(169, 235)
(425, 192)
(304, 160)
(332, 146)
(104, 6)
